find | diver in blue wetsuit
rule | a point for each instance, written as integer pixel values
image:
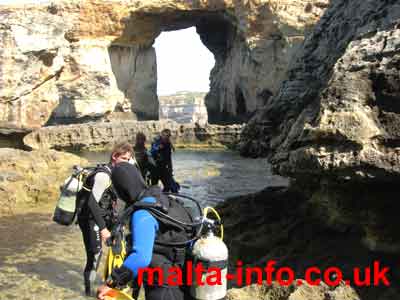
(155, 242)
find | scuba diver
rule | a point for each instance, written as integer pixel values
(97, 211)
(161, 151)
(149, 235)
(144, 160)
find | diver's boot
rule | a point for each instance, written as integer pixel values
(88, 290)
(89, 284)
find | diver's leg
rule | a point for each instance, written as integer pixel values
(91, 237)
(154, 175)
(166, 179)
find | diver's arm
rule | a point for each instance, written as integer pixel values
(101, 183)
(144, 228)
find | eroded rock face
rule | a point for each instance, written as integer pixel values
(32, 177)
(284, 225)
(337, 115)
(253, 61)
(99, 136)
(333, 126)
(82, 60)
(136, 73)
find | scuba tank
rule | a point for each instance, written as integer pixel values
(65, 211)
(210, 251)
(70, 201)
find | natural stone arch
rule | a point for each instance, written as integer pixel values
(134, 64)
(253, 43)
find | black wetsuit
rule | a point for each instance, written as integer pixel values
(162, 154)
(95, 215)
(146, 165)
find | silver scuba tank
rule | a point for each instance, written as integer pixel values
(211, 251)
(64, 212)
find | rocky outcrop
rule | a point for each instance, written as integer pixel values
(32, 178)
(96, 136)
(73, 61)
(45, 76)
(337, 115)
(136, 74)
(293, 292)
(333, 126)
(284, 225)
(184, 107)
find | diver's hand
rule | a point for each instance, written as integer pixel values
(105, 234)
(102, 291)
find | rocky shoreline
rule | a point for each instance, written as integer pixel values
(103, 135)
(326, 113)
(282, 224)
(32, 178)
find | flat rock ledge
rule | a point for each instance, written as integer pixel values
(103, 135)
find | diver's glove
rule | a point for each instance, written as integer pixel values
(120, 277)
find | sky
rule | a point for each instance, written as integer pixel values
(183, 62)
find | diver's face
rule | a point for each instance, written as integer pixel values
(122, 157)
(165, 137)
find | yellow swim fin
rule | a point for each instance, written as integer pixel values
(115, 257)
(115, 294)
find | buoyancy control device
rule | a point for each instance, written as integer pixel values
(203, 247)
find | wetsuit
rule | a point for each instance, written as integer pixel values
(146, 232)
(146, 164)
(144, 229)
(94, 217)
(161, 153)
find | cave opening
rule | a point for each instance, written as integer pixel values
(183, 69)
(192, 60)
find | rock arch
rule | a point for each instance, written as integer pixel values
(84, 60)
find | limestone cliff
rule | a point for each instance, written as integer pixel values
(334, 125)
(69, 61)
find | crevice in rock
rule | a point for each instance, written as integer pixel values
(240, 102)
(55, 75)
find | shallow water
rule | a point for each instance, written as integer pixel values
(42, 260)
(211, 176)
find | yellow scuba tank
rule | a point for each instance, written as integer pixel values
(211, 251)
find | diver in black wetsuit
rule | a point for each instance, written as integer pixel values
(161, 151)
(96, 215)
